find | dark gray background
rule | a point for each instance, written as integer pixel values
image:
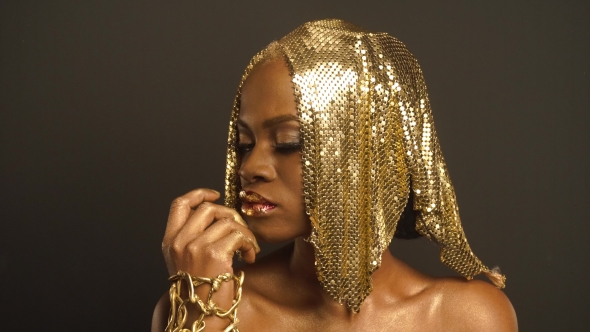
(110, 110)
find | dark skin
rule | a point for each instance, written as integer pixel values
(281, 291)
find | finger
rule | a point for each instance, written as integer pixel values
(211, 259)
(182, 207)
(205, 215)
(224, 227)
(236, 240)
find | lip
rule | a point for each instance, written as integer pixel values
(254, 204)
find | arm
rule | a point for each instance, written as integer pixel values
(201, 239)
(160, 317)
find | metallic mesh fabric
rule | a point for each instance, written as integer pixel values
(367, 130)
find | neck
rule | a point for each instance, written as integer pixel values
(302, 268)
(302, 263)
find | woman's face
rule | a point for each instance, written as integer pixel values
(269, 145)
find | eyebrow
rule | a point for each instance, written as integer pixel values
(272, 121)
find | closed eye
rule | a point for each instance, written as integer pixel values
(283, 148)
(287, 148)
(244, 147)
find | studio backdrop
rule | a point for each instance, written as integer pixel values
(109, 110)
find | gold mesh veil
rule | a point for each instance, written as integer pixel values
(367, 130)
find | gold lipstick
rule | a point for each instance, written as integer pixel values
(253, 204)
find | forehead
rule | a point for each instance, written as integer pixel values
(267, 92)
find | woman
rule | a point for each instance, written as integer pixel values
(330, 136)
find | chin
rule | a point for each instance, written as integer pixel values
(264, 232)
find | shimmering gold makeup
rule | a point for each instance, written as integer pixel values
(254, 205)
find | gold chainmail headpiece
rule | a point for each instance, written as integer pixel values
(367, 130)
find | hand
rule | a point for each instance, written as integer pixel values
(201, 237)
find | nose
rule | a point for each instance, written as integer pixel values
(257, 165)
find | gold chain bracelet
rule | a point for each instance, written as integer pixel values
(178, 311)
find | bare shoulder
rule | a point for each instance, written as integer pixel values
(475, 306)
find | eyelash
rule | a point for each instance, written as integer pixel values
(243, 148)
(286, 148)
(283, 148)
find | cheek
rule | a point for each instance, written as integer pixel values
(292, 178)
(293, 173)
(292, 181)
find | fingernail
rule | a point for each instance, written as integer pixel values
(215, 191)
(257, 247)
(240, 221)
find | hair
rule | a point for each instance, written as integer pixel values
(406, 226)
